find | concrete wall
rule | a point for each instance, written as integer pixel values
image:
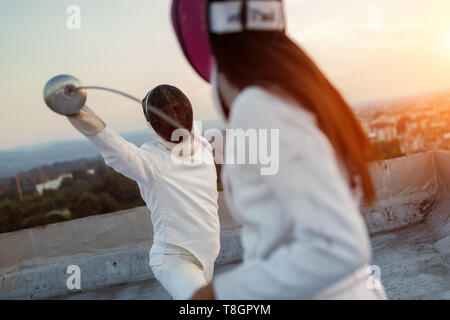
(407, 191)
(113, 249)
(440, 219)
(442, 160)
(109, 249)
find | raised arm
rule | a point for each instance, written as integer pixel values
(119, 154)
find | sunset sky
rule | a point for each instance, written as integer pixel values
(371, 49)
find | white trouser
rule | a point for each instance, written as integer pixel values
(357, 286)
(178, 270)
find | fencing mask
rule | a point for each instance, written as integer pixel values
(193, 20)
(190, 23)
(172, 102)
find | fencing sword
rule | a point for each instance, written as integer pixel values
(65, 95)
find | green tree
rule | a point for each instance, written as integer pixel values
(54, 218)
(81, 174)
(11, 214)
(86, 205)
(35, 221)
(107, 203)
(121, 188)
(67, 182)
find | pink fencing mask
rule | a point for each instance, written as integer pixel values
(189, 20)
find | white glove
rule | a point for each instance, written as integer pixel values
(87, 122)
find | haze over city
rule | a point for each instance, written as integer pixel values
(371, 50)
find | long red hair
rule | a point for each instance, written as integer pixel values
(270, 59)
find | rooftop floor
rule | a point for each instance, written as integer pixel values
(411, 265)
(411, 268)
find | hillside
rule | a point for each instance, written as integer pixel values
(20, 160)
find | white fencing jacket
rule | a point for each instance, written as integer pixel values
(302, 229)
(180, 191)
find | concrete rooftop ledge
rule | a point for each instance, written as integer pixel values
(409, 225)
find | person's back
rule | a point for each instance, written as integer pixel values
(302, 232)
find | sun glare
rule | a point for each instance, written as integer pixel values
(446, 39)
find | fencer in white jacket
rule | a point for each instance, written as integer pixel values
(180, 190)
(303, 235)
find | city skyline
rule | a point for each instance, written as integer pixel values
(371, 50)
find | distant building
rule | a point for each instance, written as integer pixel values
(52, 184)
(372, 135)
